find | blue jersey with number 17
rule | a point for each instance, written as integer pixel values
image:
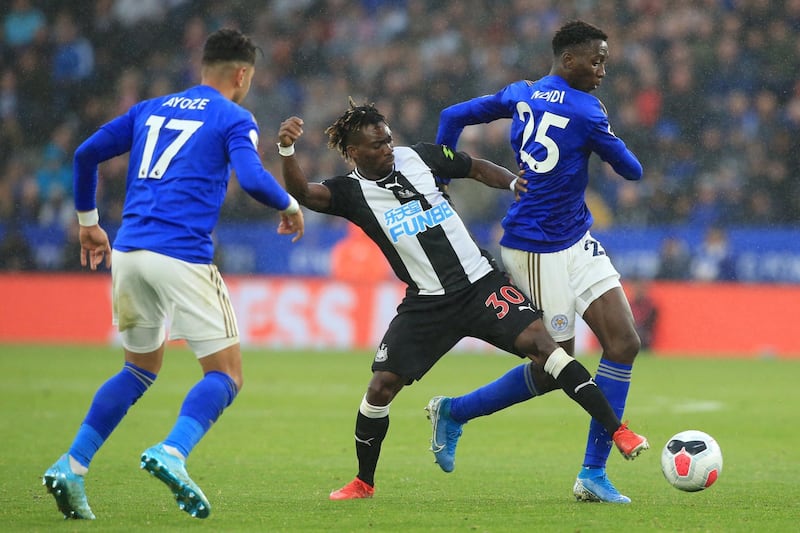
(554, 130)
(182, 147)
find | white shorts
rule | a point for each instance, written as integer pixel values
(562, 283)
(149, 289)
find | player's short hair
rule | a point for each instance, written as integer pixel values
(576, 33)
(351, 122)
(229, 45)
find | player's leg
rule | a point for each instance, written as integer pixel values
(603, 306)
(521, 383)
(528, 380)
(203, 315)
(519, 329)
(143, 341)
(558, 282)
(610, 318)
(110, 404)
(572, 377)
(449, 414)
(372, 425)
(417, 337)
(202, 406)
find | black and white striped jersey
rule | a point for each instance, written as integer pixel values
(412, 221)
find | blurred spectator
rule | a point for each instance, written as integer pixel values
(70, 260)
(645, 312)
(706, 209)
(131, 12)
(356, 259)
(35, 95)
(15, 252)
(714, 261)
(73, 62)
(54, 176)
(24, 24)
(11, 136)
(630, 210)
(673, 260)
(707, 93)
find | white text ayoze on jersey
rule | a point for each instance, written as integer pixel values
(414, 224)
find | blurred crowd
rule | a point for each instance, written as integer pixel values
(705, 92)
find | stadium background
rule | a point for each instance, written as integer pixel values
(706, 93)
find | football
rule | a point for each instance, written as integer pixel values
(691, 460)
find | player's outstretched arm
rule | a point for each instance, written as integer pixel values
(315, 196)
(493, 175)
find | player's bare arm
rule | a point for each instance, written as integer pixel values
(490, 174)
(496, 176)
(314, 196)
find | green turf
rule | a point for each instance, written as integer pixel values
(272, 459)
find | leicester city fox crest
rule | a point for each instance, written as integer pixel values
(559, 322)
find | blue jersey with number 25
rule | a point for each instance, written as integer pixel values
(554, 130)
(182, 147)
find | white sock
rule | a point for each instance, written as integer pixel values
(174, 451)
(76, 467)
(373, 411)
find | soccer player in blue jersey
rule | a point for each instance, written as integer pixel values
(454, 288)
(182, 148)
(556, 124)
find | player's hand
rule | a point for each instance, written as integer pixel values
(290, 224)
(521, 185)
(95, 247)
(291, 129)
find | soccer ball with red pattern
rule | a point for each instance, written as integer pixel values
(691, 460)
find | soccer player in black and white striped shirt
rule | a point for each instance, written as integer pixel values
(454, 290)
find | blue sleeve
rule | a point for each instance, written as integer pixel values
(453, 119)
(255, 179)
(111, 140)
(483, 109)
(612, 149)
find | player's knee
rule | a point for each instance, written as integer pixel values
(238, 379)
(535, 341)
(623, 348)
(383, 387)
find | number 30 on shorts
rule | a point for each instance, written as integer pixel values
(508, 295)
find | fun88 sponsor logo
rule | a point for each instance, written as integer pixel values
(410, 219)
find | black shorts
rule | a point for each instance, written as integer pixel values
(427, 327)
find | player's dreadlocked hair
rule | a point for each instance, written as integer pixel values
(576, 32)
(351, 122)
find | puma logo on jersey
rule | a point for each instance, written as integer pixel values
(523, 307)
(382, 354)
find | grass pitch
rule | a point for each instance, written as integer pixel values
(287, 441)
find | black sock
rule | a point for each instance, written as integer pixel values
(370, 433)
(542, 381)
(577, 383)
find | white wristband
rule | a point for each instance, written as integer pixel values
(513, 184)
(286, 151)
(88, 218)
(293, 208)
